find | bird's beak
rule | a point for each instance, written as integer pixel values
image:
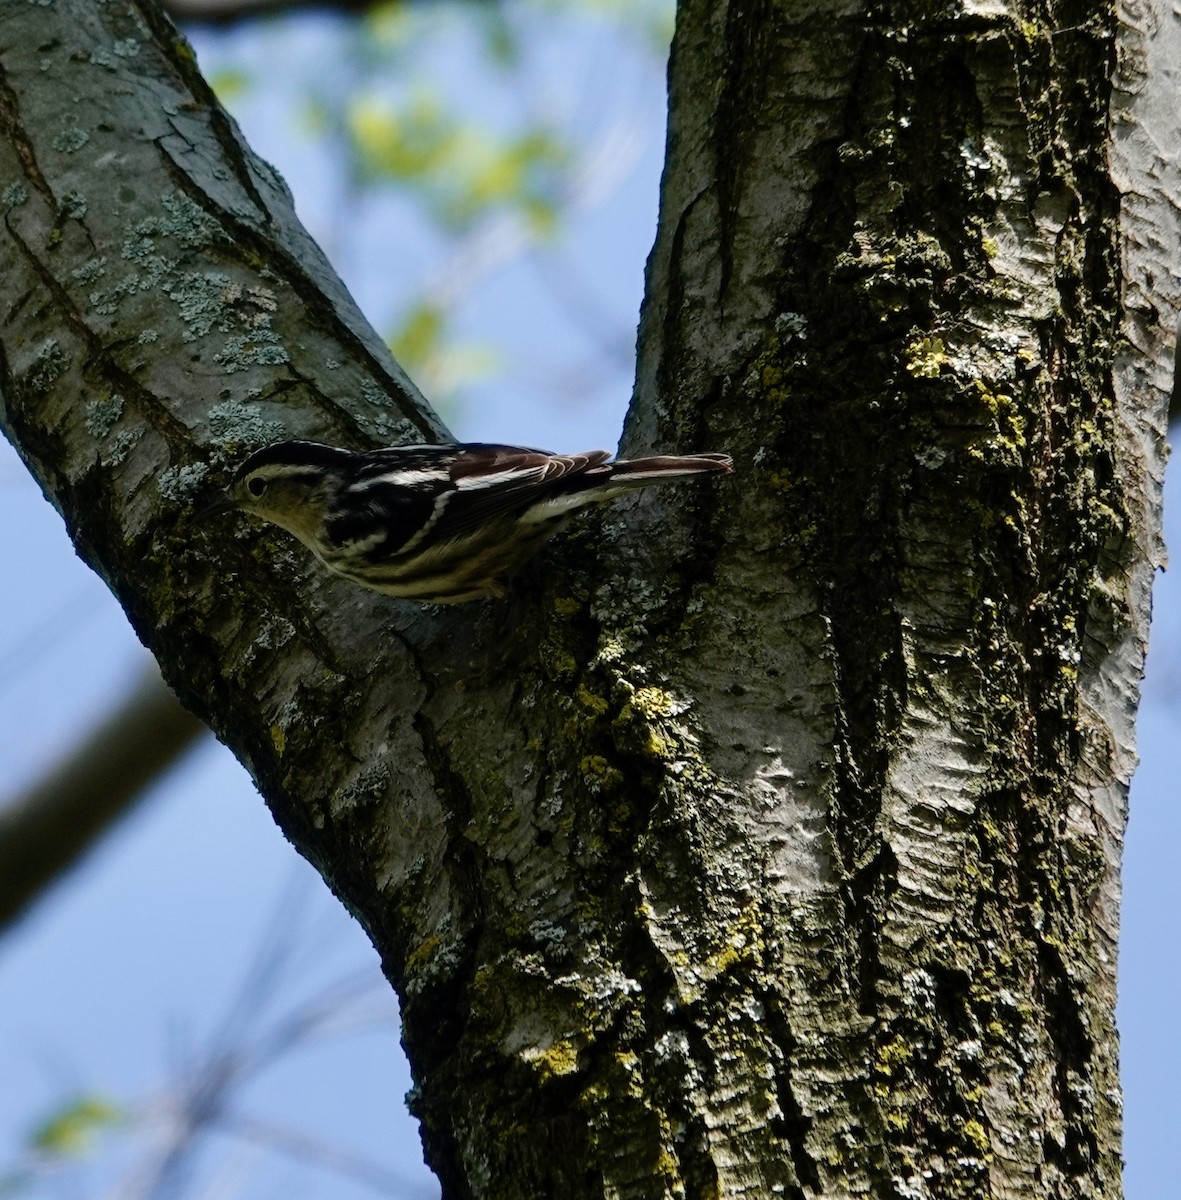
(220, 505)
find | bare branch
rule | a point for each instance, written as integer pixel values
(45, 831)
(296, 1143)
(227, 12)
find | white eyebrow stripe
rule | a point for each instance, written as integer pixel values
(271, 471)
(508, 476)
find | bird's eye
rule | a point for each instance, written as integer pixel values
(256, 486)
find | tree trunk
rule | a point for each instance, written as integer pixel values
(766, 841)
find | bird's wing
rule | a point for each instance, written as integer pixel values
(491, 481)
(444, 493)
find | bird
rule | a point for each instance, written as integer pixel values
(440, 524)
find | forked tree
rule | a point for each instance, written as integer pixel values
(766, 840)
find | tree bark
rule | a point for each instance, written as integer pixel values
(767, 841)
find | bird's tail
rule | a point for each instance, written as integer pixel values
(636, 472)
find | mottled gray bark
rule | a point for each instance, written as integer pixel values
(767, 841)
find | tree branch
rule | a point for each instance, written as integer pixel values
(767, 842)
(45, 831)
(229, 12)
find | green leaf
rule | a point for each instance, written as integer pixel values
(501, 43)
(390, 24)
(441, 366)
(407, 145)
(418, 337)
(230, 83)
(71, 1130)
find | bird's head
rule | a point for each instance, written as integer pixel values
(291, 484)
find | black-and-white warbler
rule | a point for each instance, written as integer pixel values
(443, 524)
